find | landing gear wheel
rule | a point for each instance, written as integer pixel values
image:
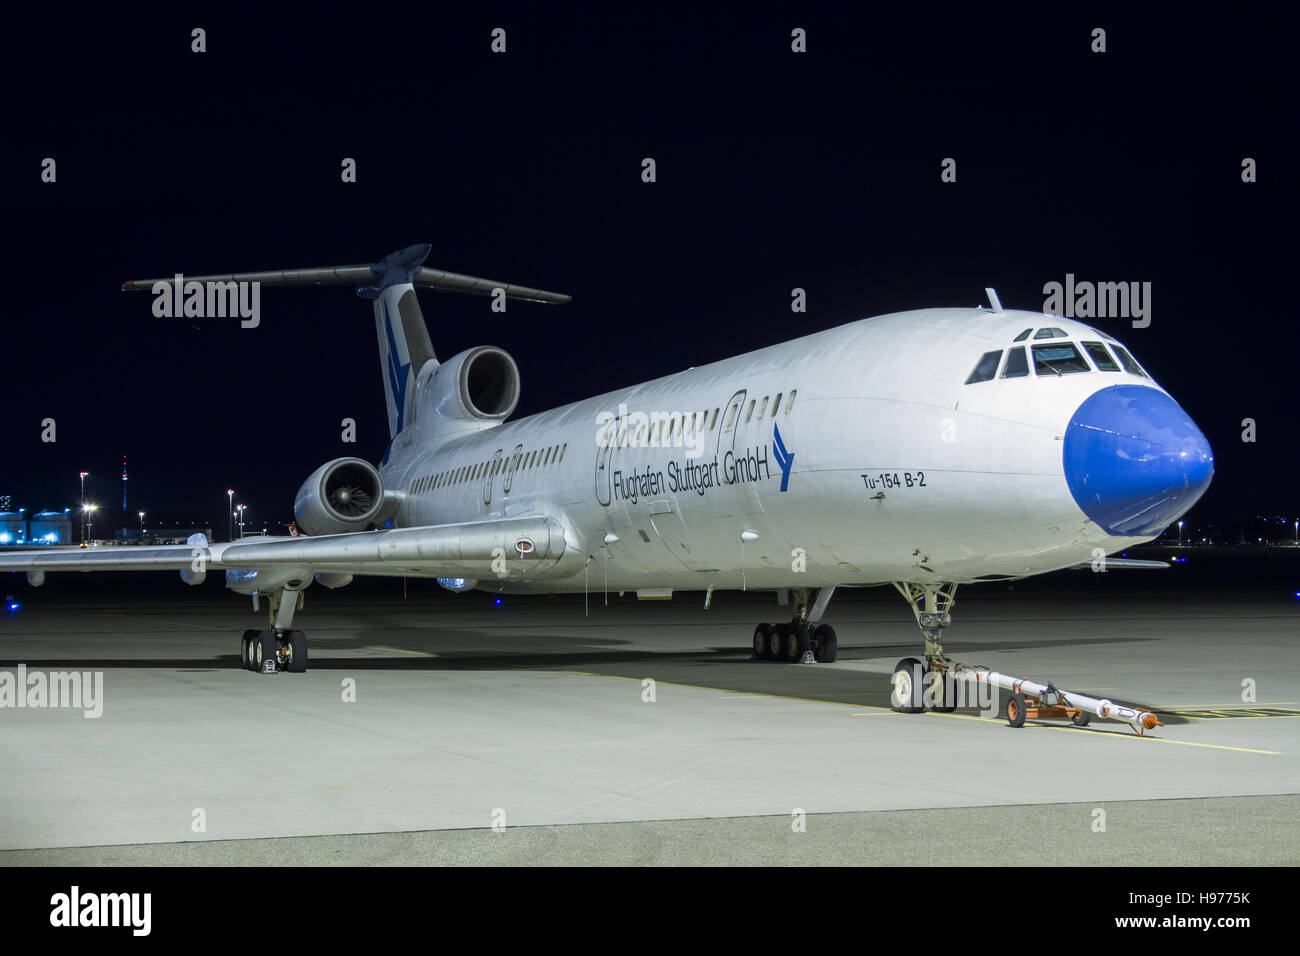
(1016, 710)
(762, 642)
(250, 656)
(797, 642)
(1081, 720)
(776, 643)
(826, 647)
(243, 647)
(907, 680)
(297, 646)
(263, 649)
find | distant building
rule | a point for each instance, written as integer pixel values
(50, 527)
(13, 529)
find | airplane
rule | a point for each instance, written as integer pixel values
(926, 449)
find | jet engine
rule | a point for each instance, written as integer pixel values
(342, 495)
(480, 385)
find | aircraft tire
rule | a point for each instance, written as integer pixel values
(297, 652)
(828, 645)
(243, 647)
(797, 642)
(905, 697)
(762, 642)
(776, 644)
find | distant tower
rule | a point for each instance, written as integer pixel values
(124, 482)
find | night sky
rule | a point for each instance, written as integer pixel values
(775, 170)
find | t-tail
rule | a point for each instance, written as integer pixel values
(405, 348)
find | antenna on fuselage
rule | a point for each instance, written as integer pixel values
(994, 301)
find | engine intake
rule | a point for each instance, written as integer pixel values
(342, 495)
(480, 386)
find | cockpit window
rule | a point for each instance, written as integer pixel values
(1022, 336)
(1060, 358)
(1130, 364)
(1100, 357)
(986, 367)
(1016, 364)
(1049, 333)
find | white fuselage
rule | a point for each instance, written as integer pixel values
(899, 470)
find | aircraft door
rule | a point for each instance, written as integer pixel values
(603, 454)
(491, 476)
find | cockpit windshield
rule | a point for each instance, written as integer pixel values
(1059, 358)
(1053, 359)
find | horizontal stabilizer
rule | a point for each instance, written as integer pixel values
(363, 276)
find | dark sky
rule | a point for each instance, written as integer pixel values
(775, 170)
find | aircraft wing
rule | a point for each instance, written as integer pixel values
(1129, 564)
(528, 545)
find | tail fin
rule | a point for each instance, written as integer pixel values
(404, 345)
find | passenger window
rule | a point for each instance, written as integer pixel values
(1100, 357)
(731, 416)
(1050, 333)
(762, 406)
(1059, 359)
(1016, 364)
(776, 404)
(749, 412)
(789, 402)
(1022, 336)
(714, 420)
(562, 447)
(986, 368)
(1130, 364)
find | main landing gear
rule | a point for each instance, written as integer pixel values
(803, 640)
(913, 688)
(279, 648)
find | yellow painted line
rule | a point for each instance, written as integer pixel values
(933, 713)
(1120, 735)
(398, 650)
(1175, 707)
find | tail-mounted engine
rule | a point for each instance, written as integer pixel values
(342, 495)
(476, 389)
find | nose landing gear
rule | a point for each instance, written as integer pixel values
(913, 687)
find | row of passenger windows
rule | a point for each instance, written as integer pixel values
(520, 461)
(680, 425)
(1056, 358)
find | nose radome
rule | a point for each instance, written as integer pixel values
(1134, 461)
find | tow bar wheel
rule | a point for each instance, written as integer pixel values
(1016, 710)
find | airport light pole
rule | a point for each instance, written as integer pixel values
(1180, 534)
(142, 525)
(89, 511)
(83, 504)
(230, 514)
(241, 521)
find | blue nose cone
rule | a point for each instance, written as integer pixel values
(1134, 461)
